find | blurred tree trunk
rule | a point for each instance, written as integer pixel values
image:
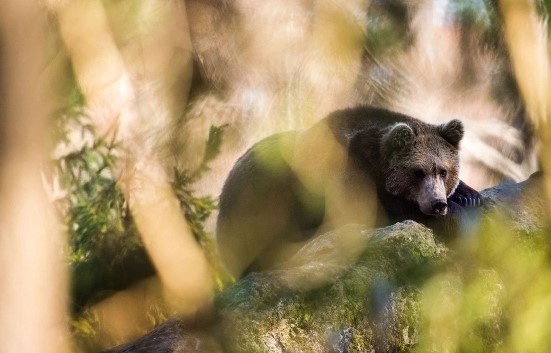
(34, 296)
(133, 62)
(526, 34)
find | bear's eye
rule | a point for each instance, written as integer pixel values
(443, 173)
(419, 174)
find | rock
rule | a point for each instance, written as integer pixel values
(367, 300)
(523, 204)
(370, 306)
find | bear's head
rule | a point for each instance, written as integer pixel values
(421, 163)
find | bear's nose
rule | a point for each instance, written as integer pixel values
(439, 206)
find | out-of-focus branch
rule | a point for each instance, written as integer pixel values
(135, 73)
(34, 295)
(526, 35)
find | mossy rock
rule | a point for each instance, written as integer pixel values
(369, 306)
(372, 302)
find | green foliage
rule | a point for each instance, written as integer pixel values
(106, 250)
(387, 31)
(387, 24)
(494, 297)
(480, 13)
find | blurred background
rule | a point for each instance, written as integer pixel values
(121, 120)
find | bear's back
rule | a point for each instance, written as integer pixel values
(346, 123)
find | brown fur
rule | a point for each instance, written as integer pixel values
(362, 165)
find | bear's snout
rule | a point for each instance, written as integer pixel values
(440, 207)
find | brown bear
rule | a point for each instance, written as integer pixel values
(359, 165)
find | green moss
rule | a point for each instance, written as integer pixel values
(347, 314)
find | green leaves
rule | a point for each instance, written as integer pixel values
(107, 253)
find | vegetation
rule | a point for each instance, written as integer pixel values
(103, 239)
(490, 295)
(107, 253)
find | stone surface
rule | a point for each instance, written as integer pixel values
(524, 204)
(370, 306)
(357, 295)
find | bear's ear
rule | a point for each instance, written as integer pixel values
(398, 137)
(452, 132)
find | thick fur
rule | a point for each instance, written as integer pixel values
(291, 185)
